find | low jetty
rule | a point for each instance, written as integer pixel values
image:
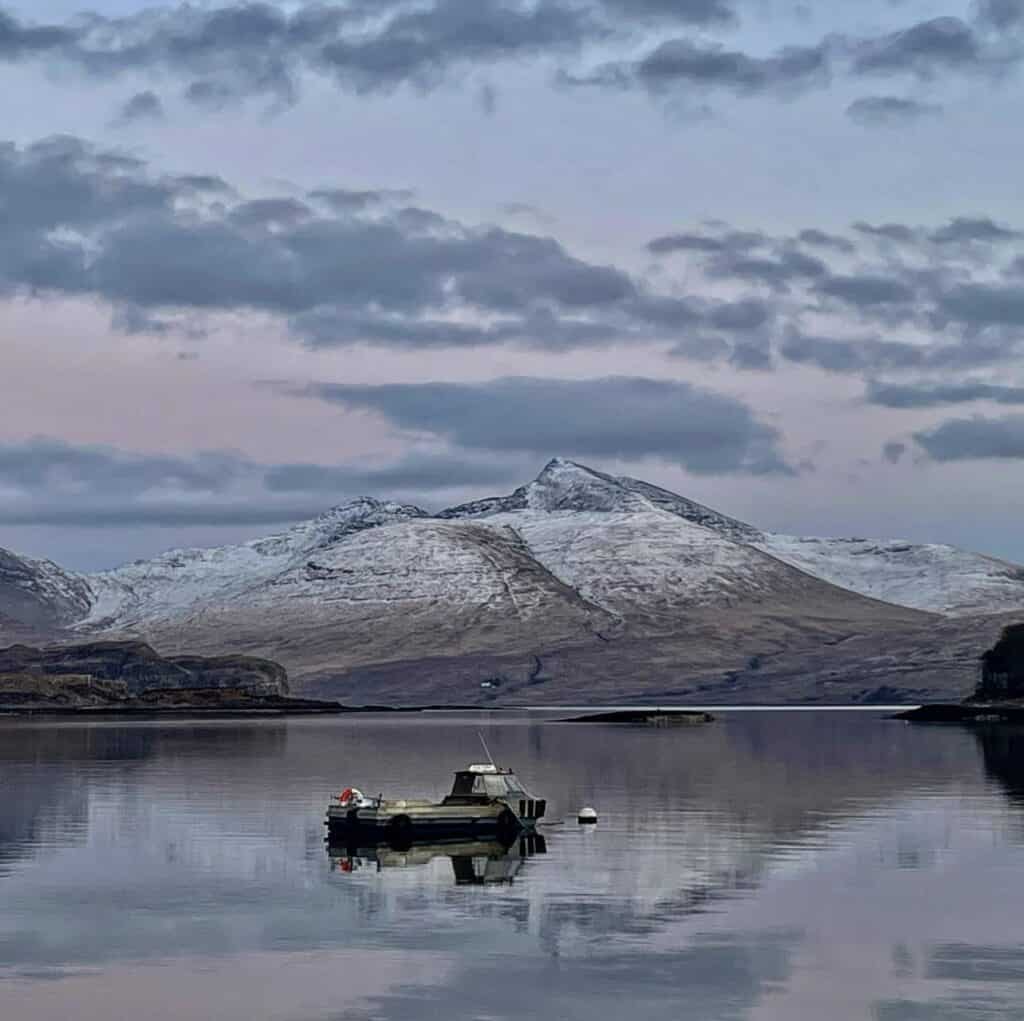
(647, 717)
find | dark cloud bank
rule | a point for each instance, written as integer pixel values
(339, 267)
(257, 48)
(495, 434)
(362, 266)
(614, 417)
(978, 438)
(50, 482)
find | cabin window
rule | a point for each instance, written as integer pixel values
(463, 785)
(495, 786)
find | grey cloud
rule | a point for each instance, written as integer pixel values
(985, 304)
(893, 451)
(210, 95)
(18, 40)
(753, 355)
(51, 463)
(923, 49)
(706, 243)
(51, 482)
(169, 514)
(872, 355)
(681, 64)
(959, 230)
(669, 313)
(822, 239)
(424, 473)
(86, 222)
(344, 266)
(142, 106)
(747, 314)
(705, 432)
(133, 321)
(866, 354)
(247, 48)
(63, 182)
(777, 271)
(528, 210)
(973, 228)
(898, 232)
(419, 46)
(866, 289)
(345, 200)
(890, 111)
(967, 439)
(930, 395)
(283, 212)
(1001, 14)
(693, 12)
(701, 347)
(203, 183)
(942, 45)
(242, 49)
(333, 326)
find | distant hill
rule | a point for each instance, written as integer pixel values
(579, 586)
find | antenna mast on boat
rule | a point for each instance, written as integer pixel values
(487, 751)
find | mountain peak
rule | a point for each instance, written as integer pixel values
(568, 485)
(563, 463)
(562, 485)
(356, 515)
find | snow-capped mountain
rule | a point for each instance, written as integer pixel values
(39, 594)
(577, 572)
(925, 576)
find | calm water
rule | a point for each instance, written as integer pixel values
(769, 866)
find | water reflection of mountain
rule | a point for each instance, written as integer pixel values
(48, 772)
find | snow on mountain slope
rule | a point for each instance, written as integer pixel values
(572, 554)
(176, 581)
(38, 593)
(647, 565)
(636, 550)
(941, 579)
(404, 586)
(567, 486)
(933, 578)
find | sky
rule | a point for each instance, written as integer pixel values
(260, 258)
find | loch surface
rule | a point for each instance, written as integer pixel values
(769, 865)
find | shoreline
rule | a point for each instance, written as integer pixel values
(301, 707)
(943, 712)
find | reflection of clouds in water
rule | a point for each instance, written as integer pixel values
(754, 869)
(714, 979)
(963, 962)
(267, 986)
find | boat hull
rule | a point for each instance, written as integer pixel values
(400, 822)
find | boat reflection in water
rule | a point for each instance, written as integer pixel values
(474, 862)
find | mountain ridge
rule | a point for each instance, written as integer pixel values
(609, 577)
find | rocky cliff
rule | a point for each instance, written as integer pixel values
(133, 668)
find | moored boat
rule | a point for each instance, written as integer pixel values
(486, 802)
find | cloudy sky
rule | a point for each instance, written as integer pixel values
(258, 258)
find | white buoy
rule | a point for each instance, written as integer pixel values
(586, 817)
